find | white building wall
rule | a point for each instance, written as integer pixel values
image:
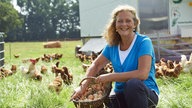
(180, 17)
(94, 14)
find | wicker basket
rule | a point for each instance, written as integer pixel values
(93, 103)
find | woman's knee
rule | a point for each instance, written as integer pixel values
(133, 85)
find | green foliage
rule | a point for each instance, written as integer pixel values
(9, 18)
(7, 1)
(49, 19)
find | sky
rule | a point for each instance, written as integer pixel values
(14, 2)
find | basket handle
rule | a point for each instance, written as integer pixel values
(87, 78)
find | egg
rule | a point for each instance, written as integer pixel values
(90, 97)
(95, 96)
(98, 87)
(100, 96)
(89, 89)
(93, 86)
(100, 92)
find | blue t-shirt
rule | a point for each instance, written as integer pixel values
(142, 46)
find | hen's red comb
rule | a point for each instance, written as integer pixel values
(33, 61)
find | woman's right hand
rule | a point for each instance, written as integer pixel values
(78, 92)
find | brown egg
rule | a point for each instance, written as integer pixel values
(100, 92)
(85, 99)
(89, 89)
(91, 97)
(93, 86)
(95, 96)
(100, 96)
(103, 87)
(98, 87)
(86, 93)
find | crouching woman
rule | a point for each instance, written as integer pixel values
(133, 59)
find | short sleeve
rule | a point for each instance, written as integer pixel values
(106, 52)
(146, 47)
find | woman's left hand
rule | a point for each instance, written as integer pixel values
(103, 78)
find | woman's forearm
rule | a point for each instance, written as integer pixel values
(92, 70)
(122, 77)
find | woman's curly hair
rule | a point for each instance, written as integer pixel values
(110, 34)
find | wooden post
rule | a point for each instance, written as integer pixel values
(158, 50)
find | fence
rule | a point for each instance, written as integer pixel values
(1, 49)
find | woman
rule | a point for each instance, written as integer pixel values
(133, 59)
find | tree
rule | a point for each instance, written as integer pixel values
(49, 19)
(9, 17)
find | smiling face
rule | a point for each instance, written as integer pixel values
(125, 24)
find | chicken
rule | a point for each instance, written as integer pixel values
(187, 67)
(57, 56)
(174, 72)
(56, 85)
(183, 60)
(13, 68)
(186, 64)
(64, 72)
(85, 66)
(38, 76)
(68, 75)
(23, 69)
(32, 67)
(43, 69)
(58, 71)
(163, 62)
(32, 71)
(159, 73)
(25, 60)
(168, 68)
(93, 56)
(6, 72)
(1, 75)
(170, 64)
(177, 70)
(53, 68)
(82, 57)
(108, 68)
(51, 57)
(16, 55)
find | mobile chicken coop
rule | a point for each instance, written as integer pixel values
(94, 15)
(167, 22)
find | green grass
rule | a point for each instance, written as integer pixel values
(176, 93)
(17, 91)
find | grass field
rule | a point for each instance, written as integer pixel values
(17, 91)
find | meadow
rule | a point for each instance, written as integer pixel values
(17, 91)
